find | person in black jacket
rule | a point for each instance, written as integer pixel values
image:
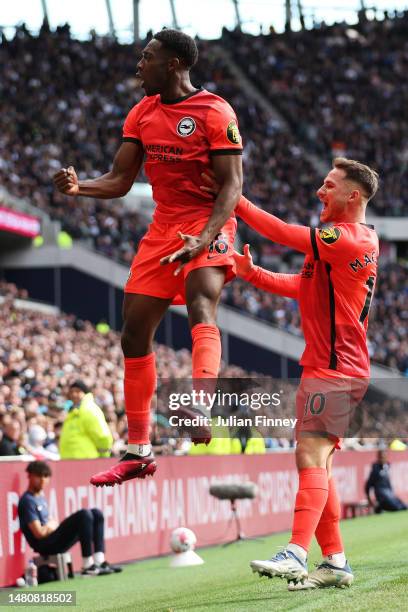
(9, 441)
(379, 480)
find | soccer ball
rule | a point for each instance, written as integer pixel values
(182, 540)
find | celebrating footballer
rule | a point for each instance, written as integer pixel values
(178, 131)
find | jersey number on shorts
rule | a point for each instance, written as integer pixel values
(369, 296)
(315, 403)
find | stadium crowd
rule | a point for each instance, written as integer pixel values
(64, 101)
(342, 89)
(41, 354)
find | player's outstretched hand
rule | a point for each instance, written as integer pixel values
(193, 245)
(244, 263)
(66, 181)
(210, 184)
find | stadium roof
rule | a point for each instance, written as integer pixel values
(203, 17)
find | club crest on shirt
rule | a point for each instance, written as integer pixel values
(233, 134)
(329, 234)
(186, 126)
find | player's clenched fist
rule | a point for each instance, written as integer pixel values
(66, 181)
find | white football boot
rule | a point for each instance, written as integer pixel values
(284, 564)
(325, 575)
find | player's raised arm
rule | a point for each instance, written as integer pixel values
(298, 237)
(228, 171)
(286, 285)
(113, 184)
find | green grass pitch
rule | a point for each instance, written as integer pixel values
(377, 548)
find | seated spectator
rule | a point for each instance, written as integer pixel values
(52, 443)
(39, 353)
(336, 88)
(379, 480)
(37, 437)
(10, 442)
(46, 537)
(85, 432)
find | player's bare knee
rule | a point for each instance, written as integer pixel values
(313, 451)
(202, 310)
(306, 459)
(136, 342)
(203, 291)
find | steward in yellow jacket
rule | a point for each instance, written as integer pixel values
(85, 433)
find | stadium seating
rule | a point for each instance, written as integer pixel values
(40, 354)
(342, 90)
(65, 102)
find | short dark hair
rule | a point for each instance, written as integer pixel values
(359, 173)
(182, 45)
(39, 468)
(79, 384)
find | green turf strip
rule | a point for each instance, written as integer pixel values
(376, 546)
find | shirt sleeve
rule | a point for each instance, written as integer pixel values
(286, 285)
(131, 127)
(27, 511)
(333, 243)
(298, 237)
(222, 130)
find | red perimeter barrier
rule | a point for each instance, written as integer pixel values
(140, 514)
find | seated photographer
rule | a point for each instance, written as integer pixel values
(46, 537)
